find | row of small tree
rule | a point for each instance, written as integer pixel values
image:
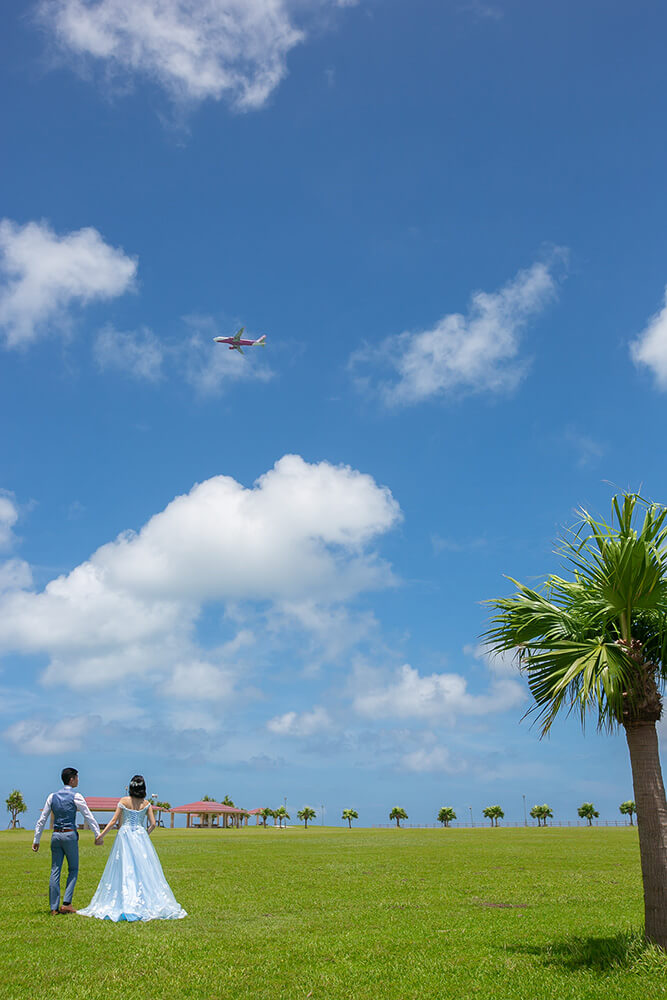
(541, 813)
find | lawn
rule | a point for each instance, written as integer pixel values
(337, 913)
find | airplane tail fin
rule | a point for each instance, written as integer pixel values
(262, 340)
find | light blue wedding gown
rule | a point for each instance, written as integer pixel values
(133, 886)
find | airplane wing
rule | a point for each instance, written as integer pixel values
(237, 336)
(239, 349)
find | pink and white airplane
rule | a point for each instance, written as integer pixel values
(236, 343)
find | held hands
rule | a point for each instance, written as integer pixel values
(99, 840)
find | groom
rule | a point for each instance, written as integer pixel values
(65, 837)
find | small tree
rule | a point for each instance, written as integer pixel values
(446, 815)
(587, 811)
(542, 814)
(161, 806)
(208, 798)
(15, 806)
(266, 814)
(494, 813)
(349, 815)
(305, 814)
(627, 809)
(398, 814)
(227, 801)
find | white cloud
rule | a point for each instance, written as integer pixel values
(431, 759)
(139, 352)
(199, 680)
(300, 724)
(43, 275)
(34, 736)
(9, 515)
(650, 347)
(409, 695)
(195, 49)
(505, 664)
(478, 352)
(15, 574)
(301, 533)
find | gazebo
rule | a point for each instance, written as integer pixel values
(210, 814)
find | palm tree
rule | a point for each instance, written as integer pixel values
(542, 814)
(227, 801)
(627, 809)
(398, 814)
(305, 814)
(15, 805)
(446, 815)
(281, 814)
(588, 811)
(349, 815)
(161, 806)
(494, 813)
(266, 814)
(597, 642)
(207, 798)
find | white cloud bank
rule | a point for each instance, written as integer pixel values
(303, 531)
(194, 49)
(478, 352)
(43, 275)
(650, 347)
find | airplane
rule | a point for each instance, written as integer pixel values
(235, 342)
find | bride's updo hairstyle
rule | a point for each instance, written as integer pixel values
(138, 787)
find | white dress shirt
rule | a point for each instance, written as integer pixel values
(82, 807)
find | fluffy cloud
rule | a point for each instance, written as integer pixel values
(477, 352)
(43, 275)
(650, 347)
(410, 695)
(302, 532)
(34, 736)
(300, 724)
(195, 49)
(139, 353)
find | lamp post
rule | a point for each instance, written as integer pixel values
(525, 814)
(322, 811)
(472, 822)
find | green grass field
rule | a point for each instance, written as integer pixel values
(338, 913)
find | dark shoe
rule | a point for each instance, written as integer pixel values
(67, 908)
(54, 913)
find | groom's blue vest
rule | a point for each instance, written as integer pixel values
(63, 808)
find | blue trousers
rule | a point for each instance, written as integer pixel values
(63, 845)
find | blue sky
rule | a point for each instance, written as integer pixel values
(263, 576)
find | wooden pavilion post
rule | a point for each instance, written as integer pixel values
(171, 825)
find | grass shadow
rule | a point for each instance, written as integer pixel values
(625, 950)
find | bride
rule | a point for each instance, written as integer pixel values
(133, 886)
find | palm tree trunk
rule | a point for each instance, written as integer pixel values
(652, 825)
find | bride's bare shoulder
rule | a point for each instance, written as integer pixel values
(125, 801)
